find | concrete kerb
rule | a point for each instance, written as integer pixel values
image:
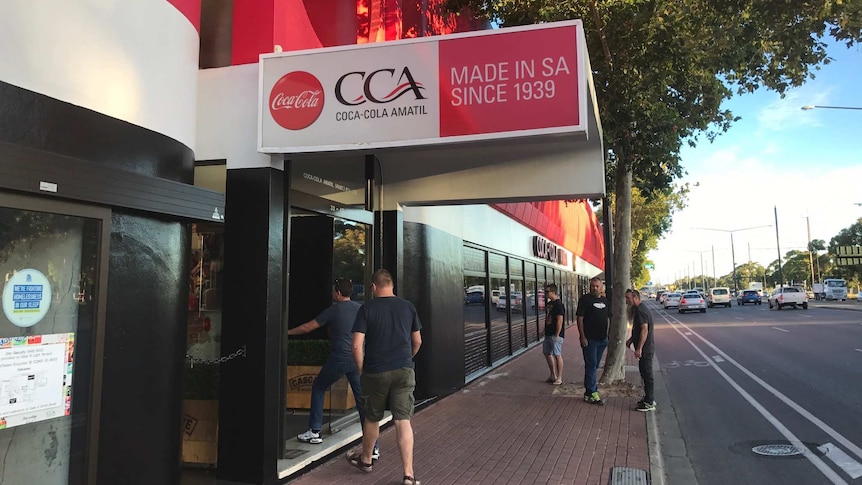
(669, 459)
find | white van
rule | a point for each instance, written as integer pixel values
(719, 295)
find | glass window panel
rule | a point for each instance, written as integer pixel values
(499, 320)
(475, 326)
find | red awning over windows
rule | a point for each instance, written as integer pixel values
(571, 224)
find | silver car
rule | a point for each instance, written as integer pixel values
(692, 301)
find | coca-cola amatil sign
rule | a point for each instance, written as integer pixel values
(296, 100)
(505, 83)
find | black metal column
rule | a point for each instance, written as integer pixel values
(389, 228)
(253, 306)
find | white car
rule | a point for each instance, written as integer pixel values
(692, 301)
(515, 302)
(719, 295)
(671, 300)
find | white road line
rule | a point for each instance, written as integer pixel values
(688, 333)
(856, 450)
(717, 358)
(814, 459)
(858, 350)
(837, 455)
(781, 329)
(807, 316)
(739, 318)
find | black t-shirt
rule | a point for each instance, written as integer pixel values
(388, 324)
(594, 309)
(643, 315)
(554, 308)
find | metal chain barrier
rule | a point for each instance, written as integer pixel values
(194, 360)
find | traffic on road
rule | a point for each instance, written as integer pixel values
(764, 396)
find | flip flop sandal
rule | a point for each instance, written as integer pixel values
(408, 480)
(355, 460)
(549, 380)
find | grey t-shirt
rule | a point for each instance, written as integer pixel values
(388, 324)
(340, 317)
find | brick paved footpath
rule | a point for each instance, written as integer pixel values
(510, 427)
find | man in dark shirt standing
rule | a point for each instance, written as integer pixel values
(385, 339)
(552, 347)
(592, 314)
(644, 346)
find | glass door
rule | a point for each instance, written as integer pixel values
(52, 280)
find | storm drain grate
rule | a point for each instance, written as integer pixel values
(291, 453)
(628, 476)
(777, 450)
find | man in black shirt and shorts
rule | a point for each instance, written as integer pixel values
(592, 315)
(644, 346)
(385, 339)
(555, 331)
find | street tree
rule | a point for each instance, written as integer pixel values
(662, 69)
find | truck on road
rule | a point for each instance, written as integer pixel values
(831, 289)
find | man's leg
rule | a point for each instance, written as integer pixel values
(329, 373)
(558, 359)
(590, 365)
(356, 386)
(370, 432)
(548, 350)
(404, 436)
(645, 366)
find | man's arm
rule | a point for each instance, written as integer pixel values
(415, 341)
(359, 349)
(640, 345)
(303, 329)
(559, 326)
(581, 333)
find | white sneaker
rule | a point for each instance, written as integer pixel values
(310, 437)
(375, 455)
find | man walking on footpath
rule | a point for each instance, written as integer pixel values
(552, 347)
(592, 315)
(340, 317)
(644, 346)
(385, 339)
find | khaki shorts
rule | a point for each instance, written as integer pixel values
(393, 387)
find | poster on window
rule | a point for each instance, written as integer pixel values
(35, 378)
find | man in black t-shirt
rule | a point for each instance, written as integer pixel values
(644, 346)
(592, 314)
(552, 347)
(385, 339)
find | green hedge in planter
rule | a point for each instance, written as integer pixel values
(201, 382)
(307, 351)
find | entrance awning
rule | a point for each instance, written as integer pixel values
(494, 116)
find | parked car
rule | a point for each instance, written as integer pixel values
(514, 302)
(788, 296)
(719, 295)
(658, 295)
(671, 300)
(748, 296)
(474, 297)
(692, 301)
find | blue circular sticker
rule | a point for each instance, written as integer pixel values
(26, 297)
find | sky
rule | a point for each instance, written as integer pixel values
(805, 164)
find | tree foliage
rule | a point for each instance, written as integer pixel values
(662, 68)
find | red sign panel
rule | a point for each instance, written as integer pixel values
(509, 81)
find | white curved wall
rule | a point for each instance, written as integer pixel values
(133, 60)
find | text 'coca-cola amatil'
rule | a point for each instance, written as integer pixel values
(296, 100)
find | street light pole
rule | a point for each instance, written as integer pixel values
(809, 107)
(732, 249)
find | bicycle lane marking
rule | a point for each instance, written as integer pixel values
(827, 471)
(786, 400)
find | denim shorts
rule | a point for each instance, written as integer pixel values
(392, 387)
(551, 348)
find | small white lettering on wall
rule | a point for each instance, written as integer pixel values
(542, 248)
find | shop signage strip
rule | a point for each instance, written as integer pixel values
(505, 83)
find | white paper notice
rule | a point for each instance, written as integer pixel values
(35, 378)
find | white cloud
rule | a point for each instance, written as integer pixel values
(785, 113)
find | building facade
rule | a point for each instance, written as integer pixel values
(145, 235)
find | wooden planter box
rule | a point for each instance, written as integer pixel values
(299, 380)
(200, 432)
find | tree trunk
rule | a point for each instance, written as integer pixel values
(615, 361)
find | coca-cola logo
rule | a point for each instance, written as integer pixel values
(296, 100)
